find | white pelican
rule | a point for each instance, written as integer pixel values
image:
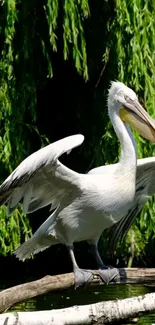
(85, 204)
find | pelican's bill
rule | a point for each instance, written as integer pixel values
(136, 116)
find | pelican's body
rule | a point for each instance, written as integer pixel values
(85, 204)
(86, 212)
(145, 189)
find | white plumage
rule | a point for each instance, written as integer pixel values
(145, 189)
(85, 204)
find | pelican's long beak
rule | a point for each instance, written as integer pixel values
(135, 115)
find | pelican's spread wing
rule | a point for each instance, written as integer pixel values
(41, 179)
(145, 188)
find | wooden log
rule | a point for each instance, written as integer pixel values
(99, 313)
(61, 282)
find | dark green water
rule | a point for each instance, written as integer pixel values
(87, 296)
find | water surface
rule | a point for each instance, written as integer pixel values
(83, 296)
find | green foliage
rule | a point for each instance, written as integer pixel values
(74, 41)
(10, 230)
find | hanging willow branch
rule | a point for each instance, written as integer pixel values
(74, 13)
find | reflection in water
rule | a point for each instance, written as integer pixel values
(86, 296)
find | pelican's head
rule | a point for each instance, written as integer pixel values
(124, 100)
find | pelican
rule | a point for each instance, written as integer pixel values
(83, 204)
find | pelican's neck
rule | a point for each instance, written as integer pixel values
(128, 159)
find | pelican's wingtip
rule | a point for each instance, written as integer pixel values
(79, 138)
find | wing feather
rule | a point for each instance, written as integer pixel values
(145, 188)
(41, 178)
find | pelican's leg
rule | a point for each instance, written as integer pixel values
(107, 273)
(81, 276)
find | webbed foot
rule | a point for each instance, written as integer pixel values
(108, 274)
(82, 277)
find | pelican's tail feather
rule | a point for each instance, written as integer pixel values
(32, 246)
